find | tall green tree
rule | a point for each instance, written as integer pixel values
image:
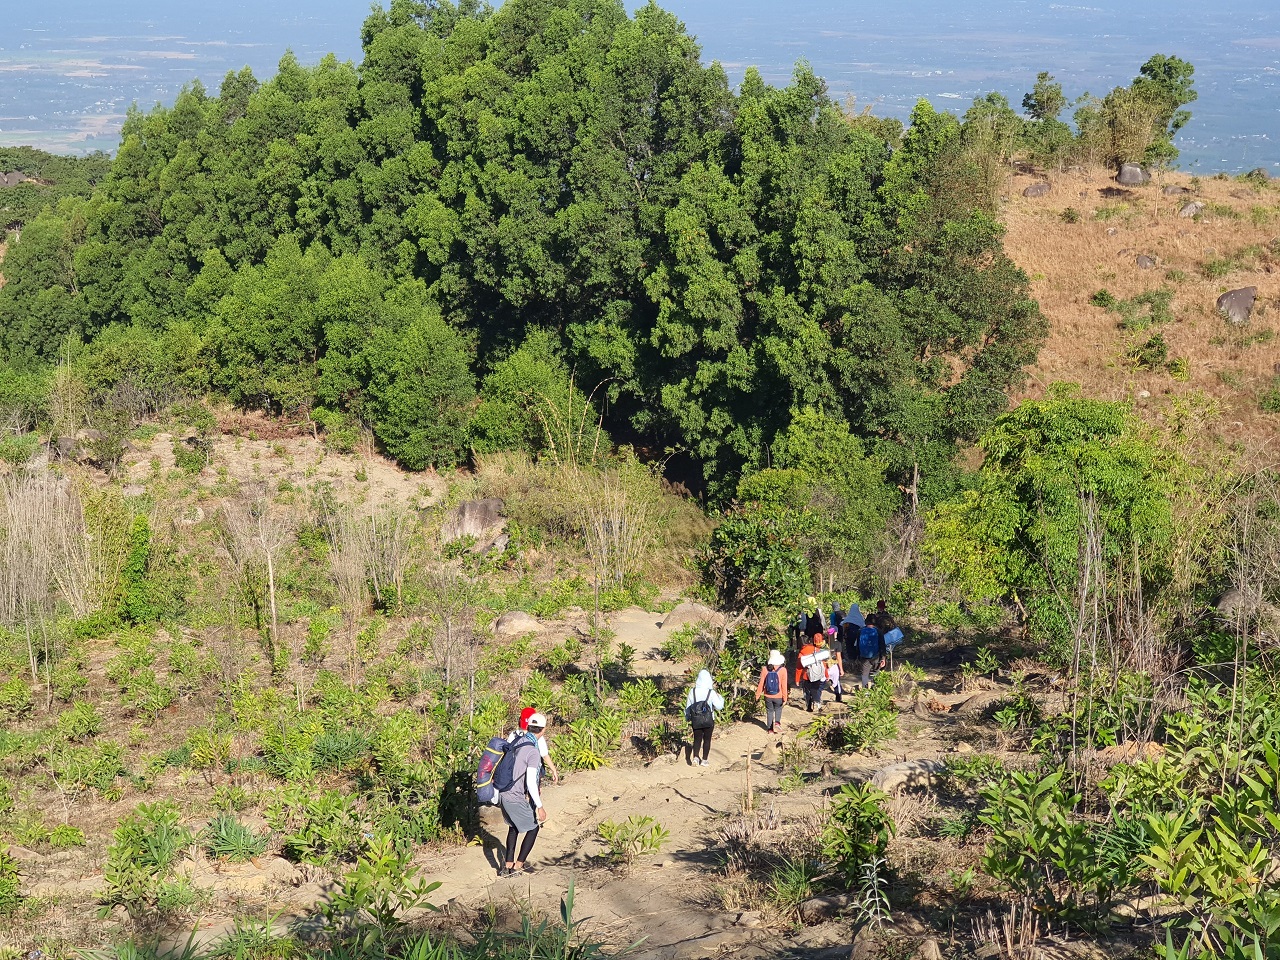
(1071, 492)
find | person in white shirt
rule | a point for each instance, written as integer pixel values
(522, 801)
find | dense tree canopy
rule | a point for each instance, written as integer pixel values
(717, 260)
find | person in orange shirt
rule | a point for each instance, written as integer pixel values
(813, 676)
(773, 687)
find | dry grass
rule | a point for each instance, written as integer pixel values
(1234, 243)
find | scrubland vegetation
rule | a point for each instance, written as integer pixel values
(737, 347)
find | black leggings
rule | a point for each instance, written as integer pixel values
(525, 848)
(701, 741)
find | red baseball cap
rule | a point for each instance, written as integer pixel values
(525, 714)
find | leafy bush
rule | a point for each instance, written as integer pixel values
(858, 832)
(144, 851)
(641, 698)
(94, 766)
(1150, 355)
(1040, 851)
(317, 829)
(635, 837)
(10, 883)
(15, 697)
(18, 448)
(80, 722)
(383, 884)
(679, 646)
(65, 836)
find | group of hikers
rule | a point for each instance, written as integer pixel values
(510, 771)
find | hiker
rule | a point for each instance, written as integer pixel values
(700, 710)
(884, 619)
(810, 672)
(773, 687)
(544, 749)
(833, 679)
(835, 646)
(517, 781)
(870, 652)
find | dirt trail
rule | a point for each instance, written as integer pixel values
(666, 899)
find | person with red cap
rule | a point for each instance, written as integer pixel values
(520, 798)
(544, 749)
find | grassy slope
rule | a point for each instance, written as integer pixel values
(1234, 243)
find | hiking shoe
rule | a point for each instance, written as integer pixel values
(505, 871)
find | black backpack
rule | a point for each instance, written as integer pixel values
(700, 715)
(504, 774)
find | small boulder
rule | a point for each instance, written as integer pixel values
(1131, 175)
(1040, 189)
(865, 945)
(1145, 262)
(822, 908)
(911, 774)
(1189, 210)
(1259, 173)
(1237, 305)
(928, 950)
(690, 612)
(472, 519)
(516, 622)
(1172, 191)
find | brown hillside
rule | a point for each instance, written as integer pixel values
(1234, 242)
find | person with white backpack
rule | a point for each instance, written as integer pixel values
(811, 671)
(700, 710)
(773, 688)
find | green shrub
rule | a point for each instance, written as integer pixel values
(680, 645)
(15, 697)
(10, 883)
(641, 698)
(92, 767)
(382, 885)
(635, 837)
(18, 448)
(145, 849)
(228, 839)
(318, 829)
(1140, 312)
(858, 832)
(230, 797)
(1150, 355)
(1269, 402)
(80, 722)
(65, 836)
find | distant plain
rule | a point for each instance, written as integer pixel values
(69, 69)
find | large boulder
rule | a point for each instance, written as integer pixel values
(1192, 209)
(1040, 189)
(909, 775)
(691, 612)
(1131, 175)
(475, 518)
(1237, 305)
(517, 622)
